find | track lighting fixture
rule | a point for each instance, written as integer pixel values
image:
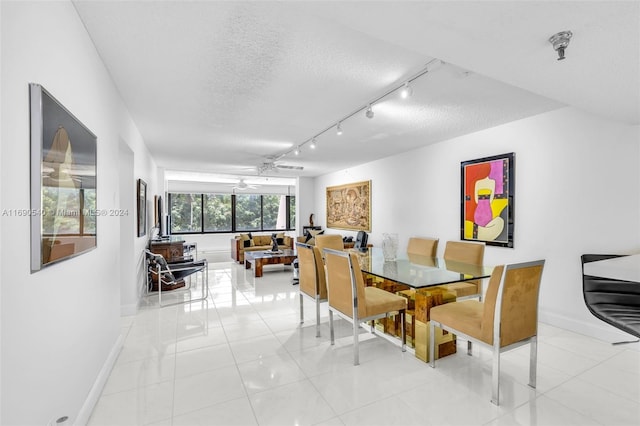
(406, 91)
(369, 112)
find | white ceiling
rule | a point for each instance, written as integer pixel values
(220, 86)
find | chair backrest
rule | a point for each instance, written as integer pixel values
(345, 282)
(332, 241)
(311, 274)
(614, 301)
(512, 296)
(465, 252)
(361, 240)
(423, 246)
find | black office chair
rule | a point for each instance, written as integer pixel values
(164, 276)
(616, 302)
(361, 240)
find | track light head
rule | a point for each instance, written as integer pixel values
(313, 143)
(297, 150)
(406, 91)
(369, 112)
(338, 129)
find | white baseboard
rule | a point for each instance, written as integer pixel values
(98, 385)
(601, 331)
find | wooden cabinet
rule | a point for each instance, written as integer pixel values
(172, 250)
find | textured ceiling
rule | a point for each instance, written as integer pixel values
(222, 86)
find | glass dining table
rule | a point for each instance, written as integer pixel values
(417, 271)
(419, 279)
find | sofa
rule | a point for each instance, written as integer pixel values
(253, 242)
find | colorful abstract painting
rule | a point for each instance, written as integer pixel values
(488, 186)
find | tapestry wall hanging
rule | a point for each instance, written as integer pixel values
(349, 206)
(488, 190)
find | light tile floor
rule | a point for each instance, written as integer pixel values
(241, 358)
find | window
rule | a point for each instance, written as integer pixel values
(186, 212)
(209, 213)
(248, 212)
(292, 212)
(274, 211)
(217, 213)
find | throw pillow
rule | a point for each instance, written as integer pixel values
(311, 235)
(247, 240)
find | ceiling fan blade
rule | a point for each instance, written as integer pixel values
(287, 167)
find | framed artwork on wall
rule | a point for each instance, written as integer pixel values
(142, 208)
(349, 206)
(488, 196)
(63, 182)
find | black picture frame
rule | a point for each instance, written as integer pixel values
(487, 208)
(63, 182)
(142, 207)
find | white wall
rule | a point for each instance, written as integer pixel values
(305, 204)
(577, 191)
(59, 326)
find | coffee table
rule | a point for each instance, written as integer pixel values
(258, 259)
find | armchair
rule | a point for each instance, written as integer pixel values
(170, 276)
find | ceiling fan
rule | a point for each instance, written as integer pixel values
(242, 185)
(271, 165)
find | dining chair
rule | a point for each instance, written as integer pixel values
(464, 252)
(616, 302)
(350, 299)
(422, 246)
(311, 279)
(332, 241)
(507, 318)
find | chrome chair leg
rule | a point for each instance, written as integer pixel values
(495, 375)
(469, 347)
(333, 339)
(533, 361)
(356, 349)
(301, 309)
(318, 315)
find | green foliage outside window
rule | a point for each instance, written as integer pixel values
(248, 212)
(253, 212)
(186, 213)
(217, 212)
